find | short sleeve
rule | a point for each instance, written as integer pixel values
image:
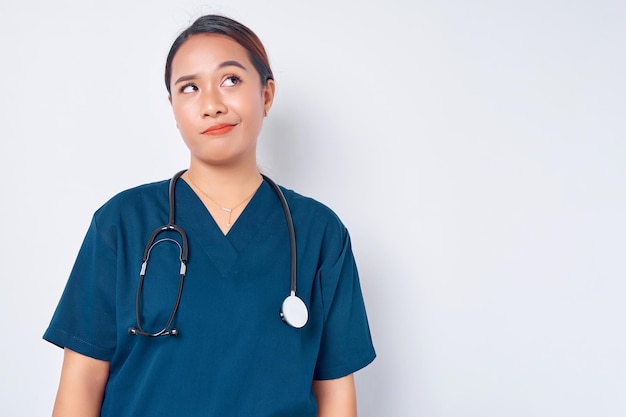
(84, 320)
(346, 344)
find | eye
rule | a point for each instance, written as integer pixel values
(231, 81)
(188, 88)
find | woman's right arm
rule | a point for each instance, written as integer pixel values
(82, 386)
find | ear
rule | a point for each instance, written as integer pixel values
(268, 95)
(169, 98)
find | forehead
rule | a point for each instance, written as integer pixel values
(207, 52)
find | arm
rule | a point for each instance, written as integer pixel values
(82, 386)
(336, 397)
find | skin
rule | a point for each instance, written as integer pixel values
(336, 397)
(213, 84)
(81, 387)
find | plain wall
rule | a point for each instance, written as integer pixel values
(475, 150)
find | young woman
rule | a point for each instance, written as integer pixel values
(200, 316)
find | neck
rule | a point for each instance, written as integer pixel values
(224, 184)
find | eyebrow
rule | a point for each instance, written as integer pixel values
(232, 64)
(222, 65)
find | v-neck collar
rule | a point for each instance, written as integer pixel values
(224, 250)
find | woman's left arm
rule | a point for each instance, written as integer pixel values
(335, 397)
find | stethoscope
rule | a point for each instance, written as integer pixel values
(293, 310)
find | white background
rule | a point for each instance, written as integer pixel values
(476, 150)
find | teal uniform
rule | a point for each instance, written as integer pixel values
(233, 356)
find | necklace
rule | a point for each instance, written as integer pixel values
(227, 210)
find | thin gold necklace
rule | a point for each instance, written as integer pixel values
(227, 210)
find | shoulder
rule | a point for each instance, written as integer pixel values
(316, 218)
(133, 201)
(308, 206)
(138, 193)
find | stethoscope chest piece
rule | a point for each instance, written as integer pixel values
(294, 312)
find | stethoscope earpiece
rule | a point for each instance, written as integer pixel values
(133, 331)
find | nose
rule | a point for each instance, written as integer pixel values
(212, 103)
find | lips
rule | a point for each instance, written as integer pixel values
(219, 129)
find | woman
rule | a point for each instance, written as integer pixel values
(224, 350)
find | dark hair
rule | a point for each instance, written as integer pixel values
(228, 27)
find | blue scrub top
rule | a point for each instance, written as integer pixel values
(233, 356)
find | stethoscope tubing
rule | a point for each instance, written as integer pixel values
(292, 234)
(293, 311)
